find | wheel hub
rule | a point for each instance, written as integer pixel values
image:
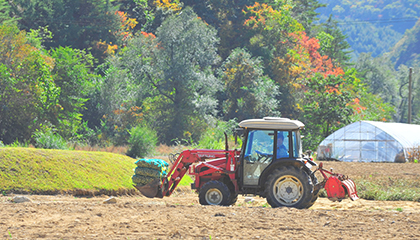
(288, 190)
(214, 196)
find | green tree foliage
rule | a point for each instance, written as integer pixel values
(248, 93)
(388, 83)
(366, 106)
(304, 11)
(72, 74)
(5, 12)
(333, 42)
(365, 38)
(272, 40)
(74, 23)
(141, 10)
(149, 13)
(227, 18)
(292, 66)
(379, 74)
(331, 102)
(28, 94)
(111, 108)
(214, 135)
(407, 50)
(175, 66)
(326, 108)
(271, 30)
(372, 26)
(49, 140)
(367, 10)
(142, 141)
(181, 74)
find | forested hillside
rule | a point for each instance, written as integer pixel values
(372, 26)
(142, 72)
(407, 50)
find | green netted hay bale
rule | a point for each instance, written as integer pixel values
(149, 172)
(157, 164)
(141, 180)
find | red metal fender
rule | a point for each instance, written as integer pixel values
(334, 188)
(351, 189)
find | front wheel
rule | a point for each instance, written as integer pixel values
(215, 193)
(289, 186)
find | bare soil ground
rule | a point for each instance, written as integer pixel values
(182, 217)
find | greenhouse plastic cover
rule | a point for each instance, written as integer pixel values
(370, 141)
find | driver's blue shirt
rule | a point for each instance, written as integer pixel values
(282, 151)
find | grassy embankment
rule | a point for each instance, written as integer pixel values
(30, 170)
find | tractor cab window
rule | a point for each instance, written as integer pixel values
(282, 148)
(258, 154)
(288, 148)
(297, 147)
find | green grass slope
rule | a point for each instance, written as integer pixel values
(53, 171)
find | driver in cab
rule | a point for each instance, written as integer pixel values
(282, 151)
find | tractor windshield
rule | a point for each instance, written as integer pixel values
(258, 154)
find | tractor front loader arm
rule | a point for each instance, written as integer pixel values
(167, 185)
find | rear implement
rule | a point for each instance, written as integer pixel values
(337, 186)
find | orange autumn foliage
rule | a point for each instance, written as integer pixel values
(318, 63)
(123, 34)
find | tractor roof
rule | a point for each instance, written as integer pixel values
(274, 123)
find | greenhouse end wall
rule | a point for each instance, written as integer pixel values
(362, 142)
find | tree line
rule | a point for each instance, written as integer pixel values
(107, 72)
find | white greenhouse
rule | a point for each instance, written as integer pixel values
(369, 141)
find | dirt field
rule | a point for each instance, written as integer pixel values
(182, 217)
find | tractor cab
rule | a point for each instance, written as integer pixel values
(268, 142)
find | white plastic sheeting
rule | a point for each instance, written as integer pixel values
(369, 141)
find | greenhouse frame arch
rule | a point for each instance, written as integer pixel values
(370, 141)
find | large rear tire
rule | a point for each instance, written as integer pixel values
(289, 186)
(215, 193)
(315, 193)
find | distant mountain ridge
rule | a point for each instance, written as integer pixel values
(407, 50)
(372, 26)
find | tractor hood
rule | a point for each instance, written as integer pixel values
(272, 123)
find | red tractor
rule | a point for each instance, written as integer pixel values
(270, 164)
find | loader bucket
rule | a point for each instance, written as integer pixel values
(337, 189)
(149, 190)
